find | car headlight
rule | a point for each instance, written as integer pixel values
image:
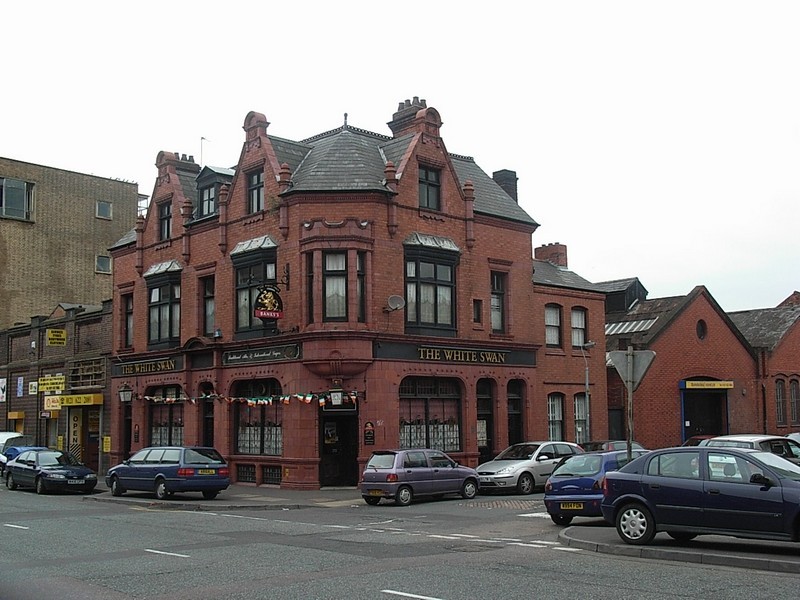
(91, 476)
(506, 471)
(55, 475)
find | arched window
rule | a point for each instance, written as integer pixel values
(555, 416)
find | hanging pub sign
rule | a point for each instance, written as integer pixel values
(268, 304)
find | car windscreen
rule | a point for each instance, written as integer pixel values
(381, 461)
(54, 459)
(782, 466)
(518, 452)
(203, 456)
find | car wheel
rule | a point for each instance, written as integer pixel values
(561, 519)
(116, 487)
(525, 484)
(40, 489)
(469, 489)
(635, 524)
(681, 536)
(161, 490)
(210, 494)
(404, 496)
(371, 500)
(10, 483)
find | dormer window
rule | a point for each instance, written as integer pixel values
(207, 201)
(429, 188)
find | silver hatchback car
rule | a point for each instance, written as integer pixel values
(524, 466)
(402, 475)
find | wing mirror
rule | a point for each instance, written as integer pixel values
(761, 479)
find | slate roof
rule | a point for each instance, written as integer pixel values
(648, 319)
(546, 273)
(766, 327)
(617, 285)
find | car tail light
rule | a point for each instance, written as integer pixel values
(605, 487)
(391, 477)
(599, 485)
(548, 487)
(224, 472)
(184, 472)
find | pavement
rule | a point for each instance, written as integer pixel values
(593, 535)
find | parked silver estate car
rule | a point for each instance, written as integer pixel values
(522, 467)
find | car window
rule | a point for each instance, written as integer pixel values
(518, 452)
(203, 456)
(582, 465)
(172, 456)
(155, 456)
(564, 450)
(439, 460)
(139, 456)
(729, 444)
(381, 461)
(794, 449)
(675, 464)
(24, 456)
(549, 450)
(414, 460)
(731, 469)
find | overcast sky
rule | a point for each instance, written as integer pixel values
(658, 140)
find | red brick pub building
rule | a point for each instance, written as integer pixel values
(325, 298)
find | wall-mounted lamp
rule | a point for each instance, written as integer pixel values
(125, 393)
(217, 333)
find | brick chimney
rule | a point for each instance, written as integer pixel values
(414, 116)
(555, 253)
(508, 181)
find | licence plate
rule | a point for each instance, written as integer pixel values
(376, 493)
(74, 481)
(206, 472)
(572, 506)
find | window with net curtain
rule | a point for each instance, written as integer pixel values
(581, 421)
(578, 327)
(555, 416)
(335, 286)
(552, 324)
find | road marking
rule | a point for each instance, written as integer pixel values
(540, 515)
(14, 526)
(167, 553)
(442, 537)
(407, 595)
(563, 549)
(526, 545)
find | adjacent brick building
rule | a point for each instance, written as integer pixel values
(703, 379)
(55, 230)
(570, 313)
(54, 380)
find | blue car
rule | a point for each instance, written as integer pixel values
(575, 488)
(165, 470)
(14, 451)
(49, 470)
(691, 491)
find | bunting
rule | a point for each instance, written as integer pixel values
(305, 398)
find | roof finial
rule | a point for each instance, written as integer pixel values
(345, 120)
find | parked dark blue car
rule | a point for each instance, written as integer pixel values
(49, 470)
(575, 488)
(164, 470)
(691, 491)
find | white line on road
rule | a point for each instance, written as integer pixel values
(167, 553)
(539, 515)
(405, 595)
(14, 526)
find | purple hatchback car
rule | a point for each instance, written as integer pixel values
(402, 475)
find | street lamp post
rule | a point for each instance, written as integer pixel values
(585, 347)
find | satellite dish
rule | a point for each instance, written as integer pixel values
(395, 303)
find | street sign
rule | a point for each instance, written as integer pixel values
(642, 359)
